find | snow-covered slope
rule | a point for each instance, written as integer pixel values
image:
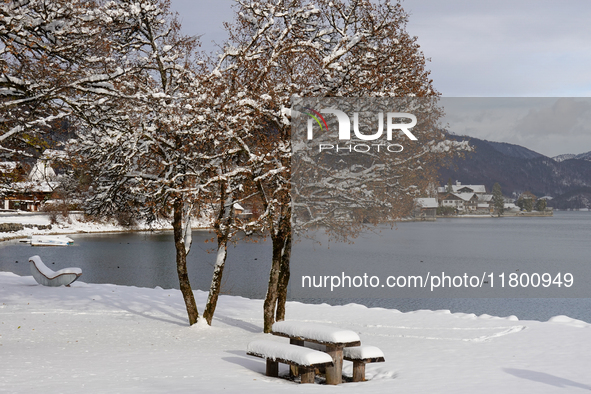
(516, 169)
(566, 156)
(115, 339)
(569, 156)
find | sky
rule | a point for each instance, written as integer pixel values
(501, 48)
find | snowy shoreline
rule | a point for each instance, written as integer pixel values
(105, 338)
(77, 226)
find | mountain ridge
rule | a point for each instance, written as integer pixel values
(570, 156)
(518, 169)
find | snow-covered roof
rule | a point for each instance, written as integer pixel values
(464, 196)
(485, 197)
(41, 172)
(34, 187)
(427, 202)
(480, 189)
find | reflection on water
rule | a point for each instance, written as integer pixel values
(148, 260)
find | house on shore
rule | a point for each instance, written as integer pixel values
(459, 188)
(465, 198)
(466, 202)
(425, 209)
(29, 194)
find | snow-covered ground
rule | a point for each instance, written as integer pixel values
(115, 339)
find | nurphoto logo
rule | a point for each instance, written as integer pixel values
(393, 124)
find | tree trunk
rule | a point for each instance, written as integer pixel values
(280, 245)
(216, 280)
(180, 227)
(282, 286)
(271, 298)
(223, 229)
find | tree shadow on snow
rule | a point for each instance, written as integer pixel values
(546, 378)
(239, 323)
(144, 307)
(248, 362)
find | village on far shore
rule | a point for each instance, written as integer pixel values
(35, 191)
(458, 200)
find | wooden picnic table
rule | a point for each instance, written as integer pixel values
(335, 339)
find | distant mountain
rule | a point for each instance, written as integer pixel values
(575, 199)
(516, 151)
(570, 156)
(518, 169)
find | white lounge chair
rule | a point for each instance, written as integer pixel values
(47, 277)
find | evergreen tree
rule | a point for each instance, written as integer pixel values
(498, 201)
(449, 188)
(526, 201)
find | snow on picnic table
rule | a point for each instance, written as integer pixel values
(283, 350)
(98, 338)
(362, 352)
(315, 331)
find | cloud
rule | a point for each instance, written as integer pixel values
(550, 126)
(565, 116)
(505, 48)
(478, 48)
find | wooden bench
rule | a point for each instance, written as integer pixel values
(47, 277)
(335, 339)
(361, 355)
(307, 360)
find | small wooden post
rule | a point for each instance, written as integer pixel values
(272, 368)
(358, 371)
(293, 370)
(334, 374)
(307, 375)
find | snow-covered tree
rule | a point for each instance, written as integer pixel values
(526, 201)
(280, 49)
(449, 187)
(52, 53)
(160, 133)
(146, 144)
(541, 204)
(228, 189)
(266, 41)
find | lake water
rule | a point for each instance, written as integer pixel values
(454, 246)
